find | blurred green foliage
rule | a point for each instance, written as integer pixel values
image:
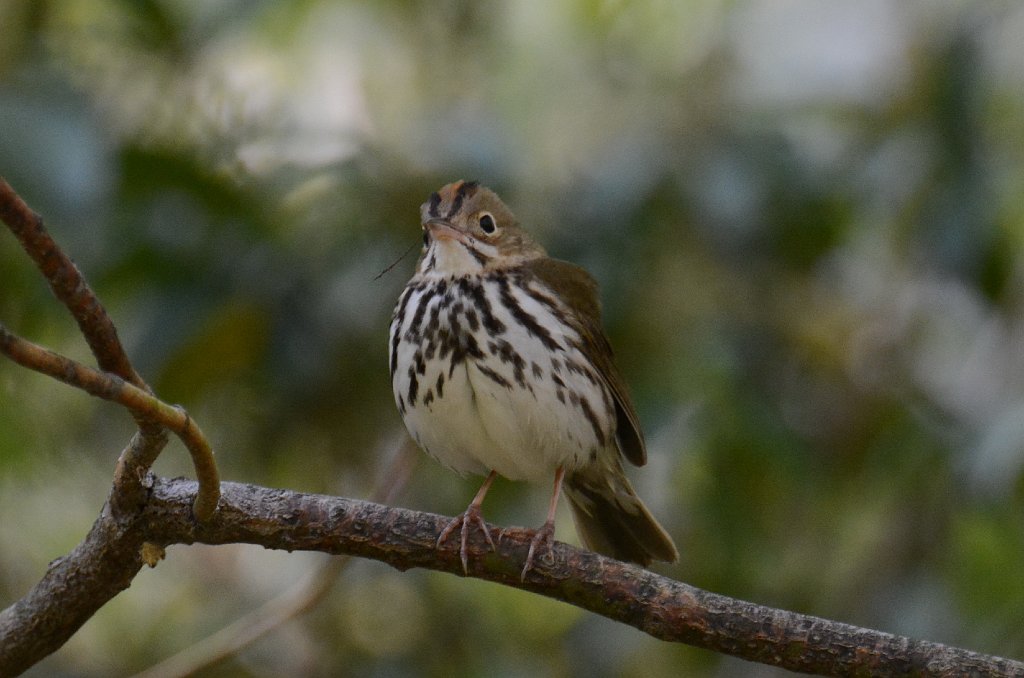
(807, 222)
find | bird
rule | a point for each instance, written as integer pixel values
(500, 367)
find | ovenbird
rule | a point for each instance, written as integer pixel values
(500, 366)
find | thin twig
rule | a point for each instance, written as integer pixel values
(140, 402)
(68, 285)
(249, 628)
(304, 596)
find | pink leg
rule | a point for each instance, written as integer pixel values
(471, 515)
(546, 534)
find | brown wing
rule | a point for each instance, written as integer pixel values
(579, 291)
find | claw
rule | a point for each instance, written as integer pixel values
(545, 536)
(471, 515)
(465, 521)
(543, 539)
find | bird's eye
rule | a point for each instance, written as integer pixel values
(487, 224)
(426, 239)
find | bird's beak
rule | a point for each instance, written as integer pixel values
(440, 229)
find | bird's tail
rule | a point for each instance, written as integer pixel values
(611, 519)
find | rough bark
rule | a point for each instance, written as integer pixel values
(76, 586)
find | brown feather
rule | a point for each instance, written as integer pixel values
(578, 290)
(611, 519)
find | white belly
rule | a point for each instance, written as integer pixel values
(505, 400)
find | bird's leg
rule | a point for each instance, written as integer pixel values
(471, 515)
(545, 536)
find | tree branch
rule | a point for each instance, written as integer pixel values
(140, 402)
(666, 609)
(669, 610)
(118, 380)
(68, 285)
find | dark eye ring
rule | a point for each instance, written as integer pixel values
(487, 224)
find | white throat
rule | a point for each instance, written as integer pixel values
(446, 258)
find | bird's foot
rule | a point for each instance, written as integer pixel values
(470, 516)
(542, 542)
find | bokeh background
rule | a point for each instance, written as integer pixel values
(807, 219)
